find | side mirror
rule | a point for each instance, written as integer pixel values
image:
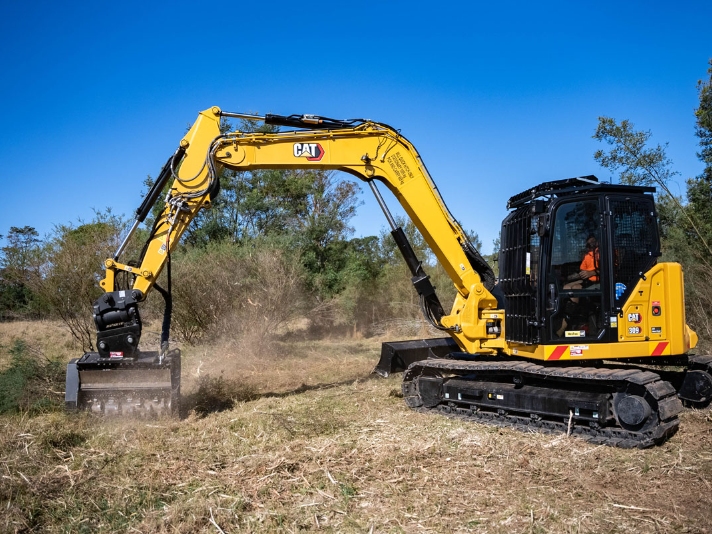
(542, 226)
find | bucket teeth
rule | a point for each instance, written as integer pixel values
(128, 404)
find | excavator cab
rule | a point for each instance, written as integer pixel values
(559, 231)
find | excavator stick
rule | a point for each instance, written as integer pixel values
(141, 386)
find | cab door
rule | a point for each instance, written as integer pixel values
(575, 308)
(635, 248)
(635, 242)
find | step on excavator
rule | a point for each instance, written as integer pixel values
(577, 335)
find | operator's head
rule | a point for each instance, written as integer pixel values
(591, 242)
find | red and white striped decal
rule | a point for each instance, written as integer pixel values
(659, 348)
(561, 350)
(558, 352)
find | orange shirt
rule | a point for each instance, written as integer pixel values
(590, 263)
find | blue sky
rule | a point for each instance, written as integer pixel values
(496, 96)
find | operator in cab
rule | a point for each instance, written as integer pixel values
(586, 278)
(588, 275)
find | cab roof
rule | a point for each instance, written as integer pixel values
(573, 186)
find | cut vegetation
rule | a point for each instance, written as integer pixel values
(302, 437)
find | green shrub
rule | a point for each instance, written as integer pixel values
(30, 384)
(224, 289)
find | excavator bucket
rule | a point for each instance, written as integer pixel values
(396, 356)
(142, 386)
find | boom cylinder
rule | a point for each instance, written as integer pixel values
(145, 208)
(432, 308)
(382, 204)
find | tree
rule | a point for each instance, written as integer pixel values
(699, 189)
(20, 252)
(69, 284)
(641, 165)
(323, 229)
(699, 195)
(686, 228)
(19, 263)
(703, 114)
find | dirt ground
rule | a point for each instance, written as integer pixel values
(310, 440)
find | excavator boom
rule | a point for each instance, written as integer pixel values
(371, 151)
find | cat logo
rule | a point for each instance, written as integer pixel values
(634, 318)
(312, 151)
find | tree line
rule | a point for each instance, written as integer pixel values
(277, 247)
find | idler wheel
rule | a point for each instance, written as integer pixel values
(431, 390)
(696, 388)
(632, 411)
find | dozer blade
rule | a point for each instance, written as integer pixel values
(396, 356)
(140, 387)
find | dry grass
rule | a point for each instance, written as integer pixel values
(279, 366)
(323, 446)
(48, 339)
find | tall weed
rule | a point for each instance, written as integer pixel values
(224, 289)
(30, 384)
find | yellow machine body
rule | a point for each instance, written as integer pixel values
(513, 341)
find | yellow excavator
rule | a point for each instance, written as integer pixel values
(567, 338)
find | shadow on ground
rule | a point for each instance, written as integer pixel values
(217, 394)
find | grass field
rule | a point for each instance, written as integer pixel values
(307, 439)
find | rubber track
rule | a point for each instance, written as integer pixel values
(660, 394)
(701, 362)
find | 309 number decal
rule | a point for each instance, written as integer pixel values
(633, 330)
